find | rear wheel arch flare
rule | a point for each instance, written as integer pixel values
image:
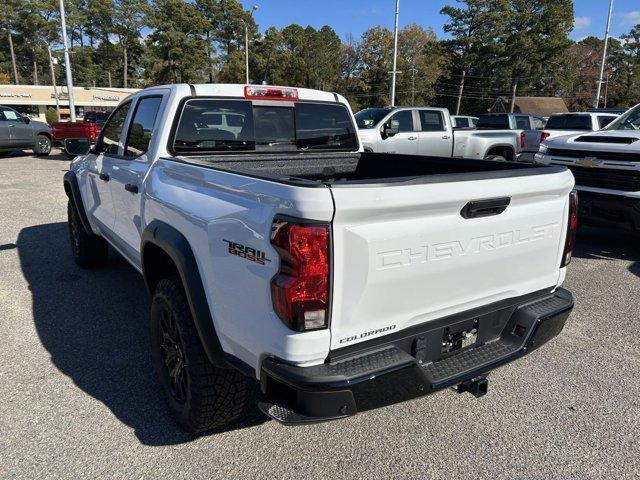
(166, 252)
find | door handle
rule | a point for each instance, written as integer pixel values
(412, 138)
(130, 187)
(104, 177)
(445, 137)
(485, 208)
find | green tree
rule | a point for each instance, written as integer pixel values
(475, 28)
(128, 20)
(177, 50)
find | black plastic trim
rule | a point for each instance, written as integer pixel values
(74, 195)
(174, 244)
(389, 374)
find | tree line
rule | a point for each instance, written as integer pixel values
(495, 48)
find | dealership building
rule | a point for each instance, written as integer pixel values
(33, 100)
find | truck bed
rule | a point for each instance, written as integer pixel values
(365, 168)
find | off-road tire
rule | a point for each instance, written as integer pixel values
(88, 250)
(209, 397)
(42, 147)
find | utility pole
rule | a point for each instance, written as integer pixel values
(413, 86)
(460, 90)
(606, 90)
(13, 59)
(246, 44)
(67, 64)
(395, 54)
(109, 76)
(53, 82)
(513, 95)
(604, 56)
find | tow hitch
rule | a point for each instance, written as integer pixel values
(477, 387)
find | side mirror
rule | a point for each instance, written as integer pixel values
(26, 119)
(77, 146)
(391, 128)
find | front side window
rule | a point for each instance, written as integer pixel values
(211, 125)
(113, 129)
(431, 121)
(141, 128)
(405, 118)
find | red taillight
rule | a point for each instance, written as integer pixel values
(300, 290)
(521, 139)
(544, 136)
(93, 132)
(270, 93)
(572, 228)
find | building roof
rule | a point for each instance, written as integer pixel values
(542, 106)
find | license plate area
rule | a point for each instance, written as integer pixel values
(460, 336)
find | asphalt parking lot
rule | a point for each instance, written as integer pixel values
(78, 398)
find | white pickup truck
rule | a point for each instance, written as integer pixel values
(606, 167)
(274, 249)
(528, 128)
(572, 123)
(429, 131)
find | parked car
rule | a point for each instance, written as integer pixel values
(528, 128)
(89, 128)
(560, 124)
(605, 165)
(18, 132)
(342, 280)
(461, 121)
(428, 131)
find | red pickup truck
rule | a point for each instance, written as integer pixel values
(89, 127)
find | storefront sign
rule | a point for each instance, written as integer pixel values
(107, 98)
(61, 96)
(15, 94)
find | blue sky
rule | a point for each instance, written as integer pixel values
(355, 16)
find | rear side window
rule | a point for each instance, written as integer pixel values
(405, 118)
(493, 122)
(141, 129)
(113, 129)
(431, 121)
(211, 125)
(603, 121)
(461, 122)
(569, 122)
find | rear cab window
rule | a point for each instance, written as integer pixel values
(493, 122)
(569, 122)
(208, 125)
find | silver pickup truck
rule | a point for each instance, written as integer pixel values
(18, 131)
(428, 131)
(528, 129)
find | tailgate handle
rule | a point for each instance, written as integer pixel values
(485, 208)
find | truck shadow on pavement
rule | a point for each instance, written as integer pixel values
(94, 324)
(607, 244)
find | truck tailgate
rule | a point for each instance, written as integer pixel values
(404, 254)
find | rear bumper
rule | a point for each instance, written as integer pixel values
(609, 210)
(411, 364)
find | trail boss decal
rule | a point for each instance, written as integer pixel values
(251, 254)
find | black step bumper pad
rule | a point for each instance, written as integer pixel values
(394, 372)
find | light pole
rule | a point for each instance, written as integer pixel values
(395, 55)
(596, 102)
(67, 64)
(246, 44)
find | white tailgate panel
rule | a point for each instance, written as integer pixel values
(404, 255)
